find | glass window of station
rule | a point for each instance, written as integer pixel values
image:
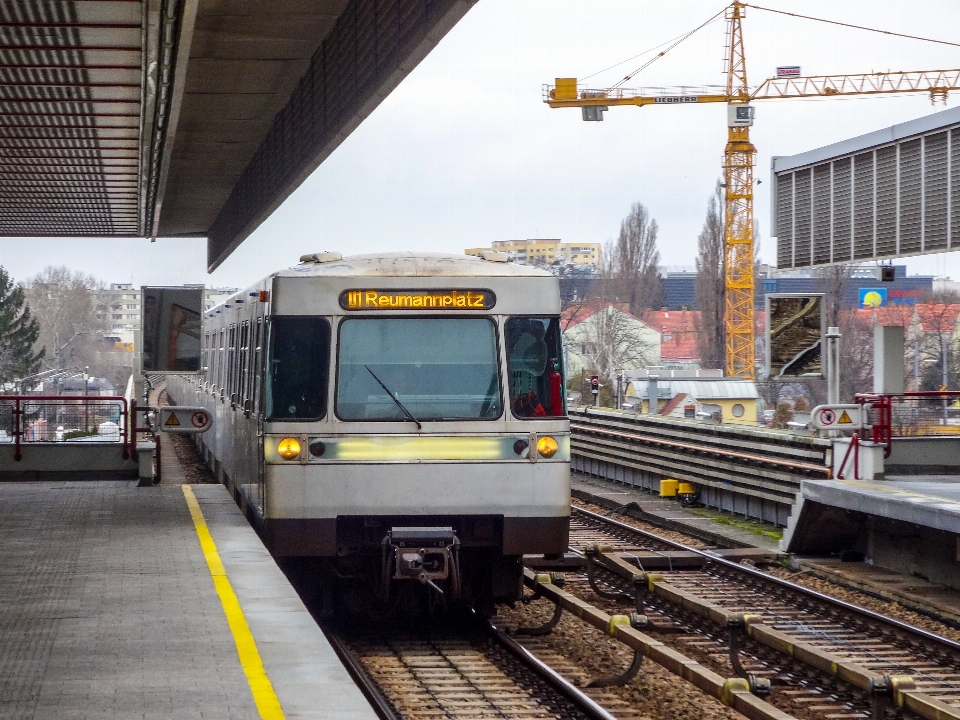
(534, 352)
(417, 369)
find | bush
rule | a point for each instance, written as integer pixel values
(73, 434)
(781, 416)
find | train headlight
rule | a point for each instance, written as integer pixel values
(547, 447)
(289, 448)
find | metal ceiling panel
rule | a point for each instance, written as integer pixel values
(70, 105)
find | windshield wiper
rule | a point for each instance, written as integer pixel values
(393, 396)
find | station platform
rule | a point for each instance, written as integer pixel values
(119, 601)
(909, 524)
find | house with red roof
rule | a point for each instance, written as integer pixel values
(678, 337)
(606, 337)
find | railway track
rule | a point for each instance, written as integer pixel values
(823, 657)
(457, 667)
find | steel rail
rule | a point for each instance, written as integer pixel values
(732, 692)
(764, 577)
(845, 663)
(583, 702)
(385, 710)
(378, 701)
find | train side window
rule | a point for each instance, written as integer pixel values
(297, 368)
(534, 364)
(257, 365)
(242, 394)
(231, 383)
(221, 351)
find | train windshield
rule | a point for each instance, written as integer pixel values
(297, 374)
(534, 364)
(434, 369)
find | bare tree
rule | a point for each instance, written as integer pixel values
(856, 354)
(932, 338)
(609, 339)
(631, 263)
(64, 304)
(709, 285)
(834, 282)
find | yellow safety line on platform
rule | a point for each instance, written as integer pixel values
(260, 686)
(900, 491)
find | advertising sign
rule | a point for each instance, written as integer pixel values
(788, 71)
(873, 297)
(171, 329)
(794, 336)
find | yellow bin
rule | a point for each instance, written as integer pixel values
(685, 489)
(668, 487)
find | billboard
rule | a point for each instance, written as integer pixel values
(794, 336)
(788, 71)
(171, 329)
(872, 297)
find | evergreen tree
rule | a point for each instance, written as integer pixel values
(18, 333)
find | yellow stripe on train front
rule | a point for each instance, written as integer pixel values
(417, 448)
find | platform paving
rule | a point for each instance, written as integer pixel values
(666, 510)
(928, 500)
(108, 610)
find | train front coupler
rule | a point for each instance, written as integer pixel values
(429, 555)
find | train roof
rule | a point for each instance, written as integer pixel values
(412, 264)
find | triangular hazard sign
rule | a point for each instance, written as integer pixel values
(844, 419)
(172, 420)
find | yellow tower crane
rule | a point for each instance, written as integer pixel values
(739, 154)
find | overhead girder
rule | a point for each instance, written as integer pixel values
(115, 114)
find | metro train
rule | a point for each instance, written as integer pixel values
(398, 417)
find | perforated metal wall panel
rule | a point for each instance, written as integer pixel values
(874, 201)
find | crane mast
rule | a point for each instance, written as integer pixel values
(738, 265)
(738, 160)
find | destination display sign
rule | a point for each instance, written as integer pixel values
(420, 299)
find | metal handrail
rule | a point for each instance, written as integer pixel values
(127, 414)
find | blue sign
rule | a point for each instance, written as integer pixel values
(873, 297)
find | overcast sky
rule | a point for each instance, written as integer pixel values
(464, 152)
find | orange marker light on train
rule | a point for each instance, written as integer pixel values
(289, 448)
(547, 447)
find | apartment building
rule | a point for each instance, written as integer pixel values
(119, 305)
(545, 252)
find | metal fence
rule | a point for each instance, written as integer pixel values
(912, 414)
(67, 419)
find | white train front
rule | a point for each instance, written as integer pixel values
(400, 416)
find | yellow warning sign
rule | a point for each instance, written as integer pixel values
(172, 420)
(844, 419)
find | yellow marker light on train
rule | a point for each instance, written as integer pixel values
(547, 447)
(289, 448)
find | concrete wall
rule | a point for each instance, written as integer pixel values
(67, 461)
(924, 456)
(729, 500)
